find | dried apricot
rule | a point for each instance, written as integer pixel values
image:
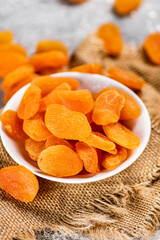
(13, 47)
(54, 59)
(100, 141)
(89, 156)
(34, 148)
(29, 104)
(6, 36)
(16, 76)
(152, 47)
(121, 135)
(9, 61)
(36, 129)
(64, 123)
(93, 68)
(19, 182)
(110, 161)
(60, 161)
(13, 125)
(89, 116)
(131, 108)
(111, 36)
(52, 140)
(127, 78)
(107, 107)
(51, 70)
(124, 7)
(18, 86)
(49, 45)
(48, 83)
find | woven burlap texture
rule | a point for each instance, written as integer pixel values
(125, 206)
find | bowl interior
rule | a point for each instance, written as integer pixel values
(93, 82)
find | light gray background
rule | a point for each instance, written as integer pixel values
(32, 20)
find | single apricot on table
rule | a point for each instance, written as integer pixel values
(152, 47)
(124, 7)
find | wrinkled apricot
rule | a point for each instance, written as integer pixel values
(100, 141)
(13, 125)
(34, 148)
(111, 36)
(54, 59)
(107, 107)
(29, 104)
(48, 83)
(60, 161)
(89, 156)
(152, 47)
(127, 78)
(64, 123)
(52, 140)
(93, 68)
(49, 45)
(19, 182)
(124, 7)
(110, 161)
(36, 129)
(13, 47)
(121, 135)
(131, 108)
(16, 76)
(9, 61)
(18, 86)
(6, 36)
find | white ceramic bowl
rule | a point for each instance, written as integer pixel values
(140, 126)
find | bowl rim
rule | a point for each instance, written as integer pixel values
(72, 180)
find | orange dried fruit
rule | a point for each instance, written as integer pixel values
(60, 161)
(51, 70)
(54, 59)
(16, 76)
(48, 83)
(121, 135)
(89, 156)
(18, 86)
(110, 161)
(50, 98)
(89, 117)
(93, 68)
(64, 123)
(131, 108)
(100, 141)
(152, 47)
(49, 45)
(124, 7)
(29, 104)
(111, 36)
(34, 148)
(36, 129)
(13, 125)
(127, 78)
(19, 182)
(13, 47)
(6, 36)
(107, 107)
(9, 61)
(52, 140)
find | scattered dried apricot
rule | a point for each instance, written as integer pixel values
(124, 7)
(13, 125)
(107, 107)
(64, 123)
(19, 182)
(127, 78)
(34, 148)
(13, 47)
(49, 45)
(93, 68)
(111, 36)
(121, 135)
(152, 47)
(6, 36)
(60, 161)
(89, 156)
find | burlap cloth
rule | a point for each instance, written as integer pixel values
(125, 206)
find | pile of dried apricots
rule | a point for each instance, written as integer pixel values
(66, 130)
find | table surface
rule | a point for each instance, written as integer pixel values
(33, 20)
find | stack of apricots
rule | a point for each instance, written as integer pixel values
(66, 130)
